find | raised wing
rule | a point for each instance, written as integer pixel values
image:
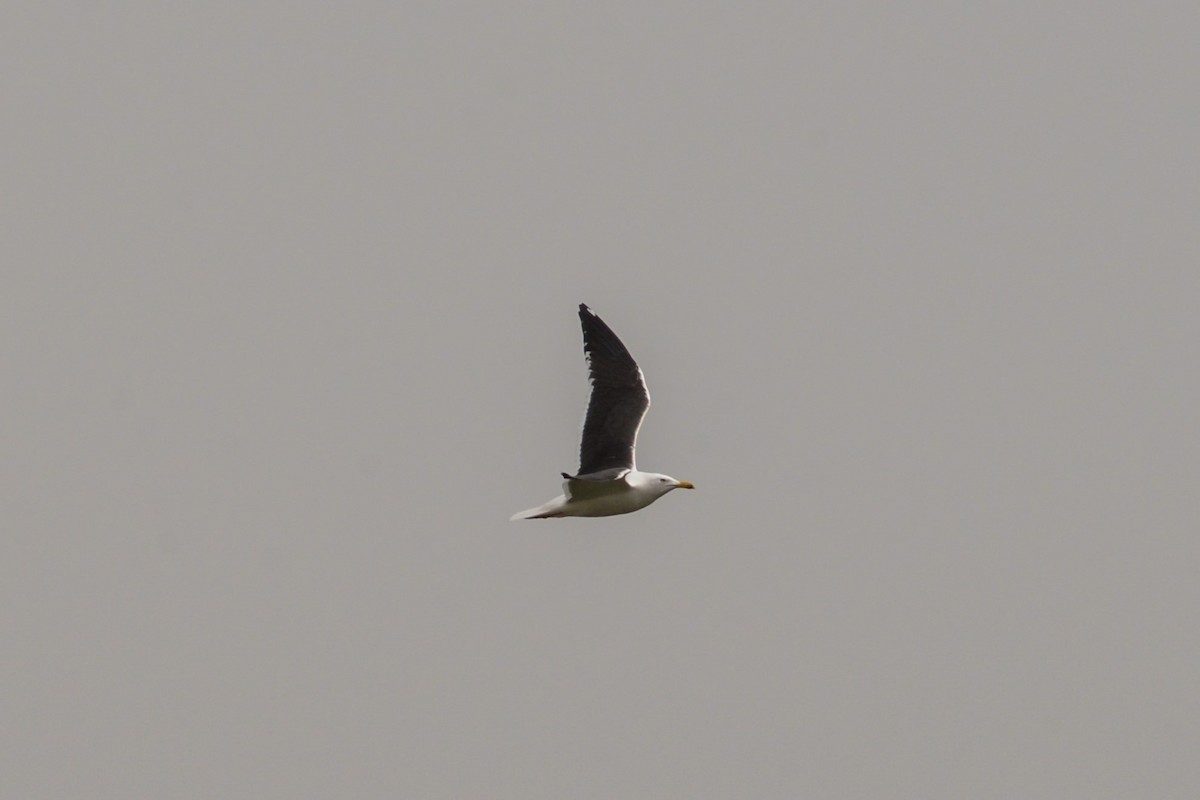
(619, 399)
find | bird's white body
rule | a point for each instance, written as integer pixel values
(582, 498)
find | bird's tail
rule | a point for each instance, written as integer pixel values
(544, 511)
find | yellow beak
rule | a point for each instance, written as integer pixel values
(684, 485)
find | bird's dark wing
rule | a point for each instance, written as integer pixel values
(619, 399)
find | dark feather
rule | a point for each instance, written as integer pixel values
(618, 403)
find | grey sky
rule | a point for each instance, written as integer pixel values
(289, 331)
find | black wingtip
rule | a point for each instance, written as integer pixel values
(583, 309)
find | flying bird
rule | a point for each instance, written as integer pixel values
(608, 481)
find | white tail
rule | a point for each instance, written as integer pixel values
(545, 511)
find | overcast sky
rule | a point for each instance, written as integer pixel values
(288, 330)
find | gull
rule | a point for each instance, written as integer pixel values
(608, 481)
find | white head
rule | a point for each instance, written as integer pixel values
(660, 484)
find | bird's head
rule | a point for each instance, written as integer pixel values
(665, 483)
